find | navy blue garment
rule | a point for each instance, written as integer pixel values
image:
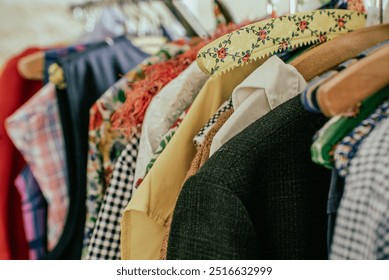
(34, 207)
(87, 75)
(335, 4)
(53, 55)
(334, 197)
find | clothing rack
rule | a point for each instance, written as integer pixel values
(103, 3)
(113, 108)
(225, 11)
(381, 11)
(191, 25)
(293, 6)
(186, 18)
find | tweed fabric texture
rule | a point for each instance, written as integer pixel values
(201, 157)
(362, 225)
(259, 197)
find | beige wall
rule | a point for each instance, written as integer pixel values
(35, 22)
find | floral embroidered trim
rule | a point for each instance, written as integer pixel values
(267, 37)
(140, 94)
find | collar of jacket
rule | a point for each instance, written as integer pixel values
(267, 37)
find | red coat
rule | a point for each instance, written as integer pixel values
(14, 92)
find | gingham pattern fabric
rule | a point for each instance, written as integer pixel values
(347, 148)
(36, 131)
(362, 225)
(105, 143)
(105, 241)
(199, 138)
(105, 147)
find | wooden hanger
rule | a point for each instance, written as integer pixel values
(362, 79)
(31, 67)
(332, 53)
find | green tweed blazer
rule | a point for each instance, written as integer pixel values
(259, 197)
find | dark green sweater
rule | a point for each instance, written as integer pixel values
(259, 197)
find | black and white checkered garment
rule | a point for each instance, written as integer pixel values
(362, 225)
(105, 240)
(199, 138)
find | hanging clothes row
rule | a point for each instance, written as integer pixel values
(201, 150)
(50, 133)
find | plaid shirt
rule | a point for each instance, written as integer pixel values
(34, 210)
(362, 225)
(36, 131)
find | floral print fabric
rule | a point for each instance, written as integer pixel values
(164, 110)
(267, 37)
(164, 142)
(105, 143)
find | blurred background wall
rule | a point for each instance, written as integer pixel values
(26, 23)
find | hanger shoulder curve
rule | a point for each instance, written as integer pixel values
(330, 54)
(356, 83)
(31, 67)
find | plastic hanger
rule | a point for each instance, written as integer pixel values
(330, 54)
(362, 79)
